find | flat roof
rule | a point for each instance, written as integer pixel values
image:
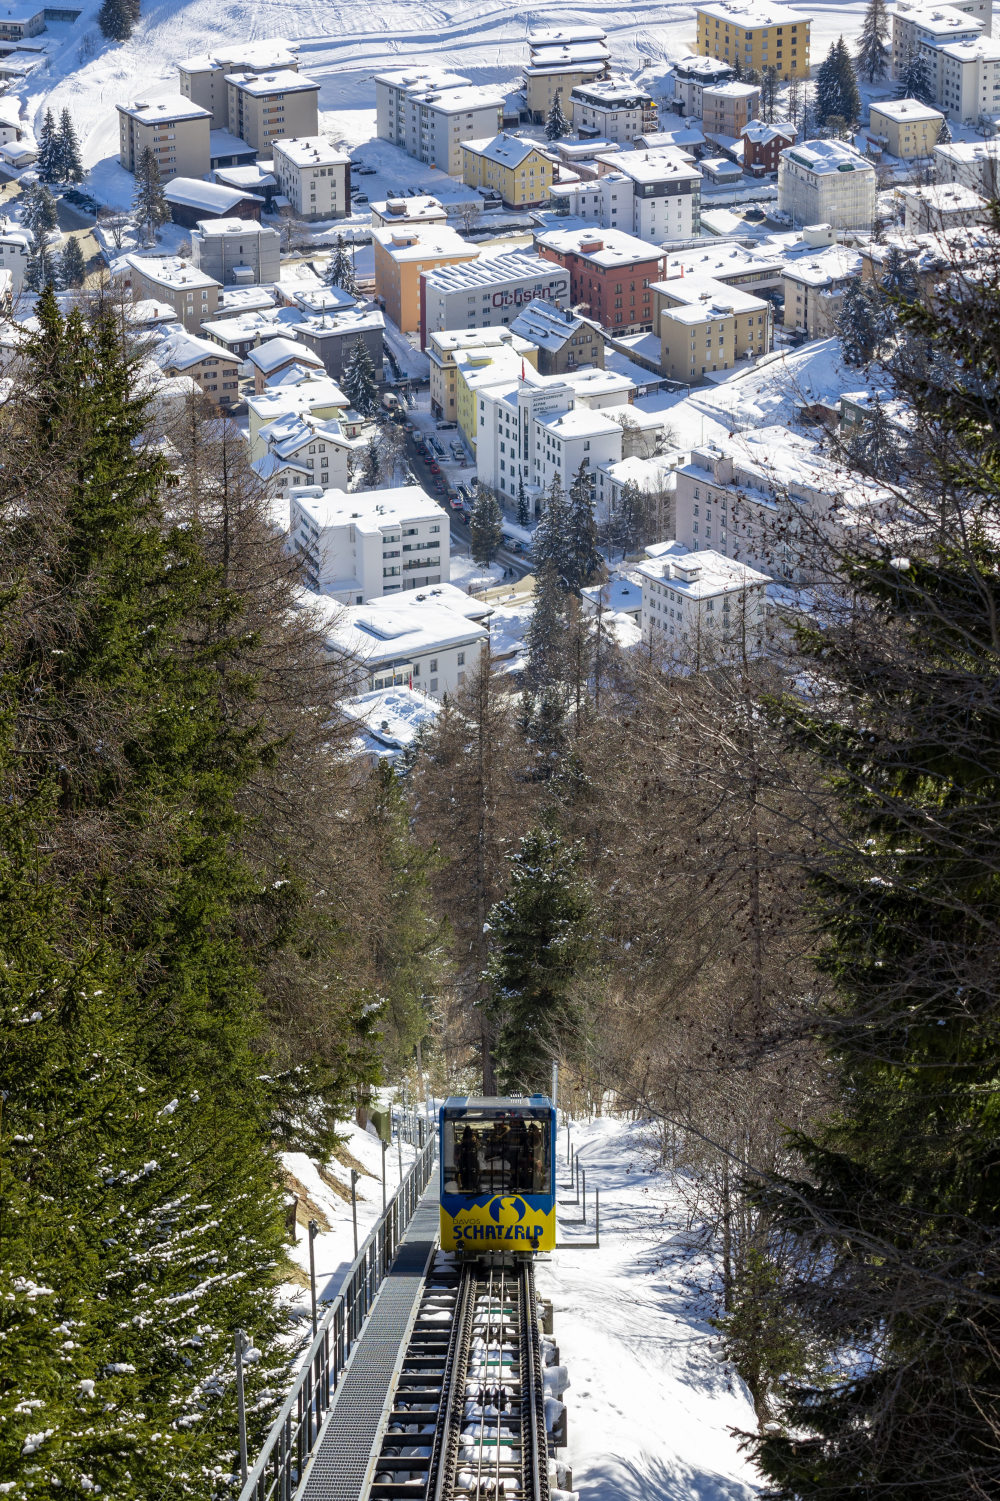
(650, 166)
(516, 265)
(905, 109)
(705, 291)
(697, 575)
(170, 271)
(309, 151)
(169, 107)
(370, 511)
(281, 81)
(827, 156)
(430, 78)
(425, 241)
(463, 100)
(607, 247)
(748, 15)
(939, 20)
(983, 49)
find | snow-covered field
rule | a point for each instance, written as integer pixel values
(651, 1409)
(342, 46)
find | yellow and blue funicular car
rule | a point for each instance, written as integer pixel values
(498, 1174)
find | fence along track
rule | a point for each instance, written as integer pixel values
(468, 1417)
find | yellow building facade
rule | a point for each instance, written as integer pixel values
(401, 255)
(475, 368)
(907, 127)
(443, 348)
(515, 169)
(756, 37)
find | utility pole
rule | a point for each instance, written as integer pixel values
(354, 1207)
(313, 1232)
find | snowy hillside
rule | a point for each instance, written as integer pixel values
(342, 46)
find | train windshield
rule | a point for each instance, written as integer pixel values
(497, 1152)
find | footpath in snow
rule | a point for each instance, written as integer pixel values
(650, 1407)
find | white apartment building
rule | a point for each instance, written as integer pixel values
(429, 113)
(815, 287)
(826, 182)
(917, 28)
(613, 109)
(430, 640)
(701, 608)
(974, 164)
(535, 430)
(487, 293)
(15, 245)
(942, 205)
(360, 546)
(969, 79)
(693, 74)
(314, 176)
(655, 195)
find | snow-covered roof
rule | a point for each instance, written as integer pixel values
(280, 81)
(731, 89)
(276, 352)
(170, 271)
(391, 717)
(704, 574)
(694, 66)
(617, 595)
(559, 36)
(10, 110)
(834, 263)
(904, 110)
(568, 54)
(224, 143)
(274, 52)
(369, 511)
(345, 323)
(821, 157)
(614, 92)
(460, 100)
(651, 166)
(602, 247)
(290, 433)
(939, 20)
(422, 242)
(217, 229)
(169, 107)
(546, 326)
(983, 49)
(516, 265)
(178, 350)
(594, 382)
(311, 151)
(394, 629)
(505, 150)
(945, 197)
(750, 14)
(208, 197)
(716, 297)
(251, 178)
(580, 422)
(423, 78)
(760, 132)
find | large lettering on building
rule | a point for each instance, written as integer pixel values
(518, 296)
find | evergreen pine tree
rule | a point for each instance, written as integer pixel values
(553, 541)
(148, 203)
(70, 162)
(372, 468)
(117, 19)
(862, 323)
(523, 512)
(873, 48)
(837, 96)
(38, 210)
(915, 80)
(850, 98)
(340, 271)
(874, 446)
(147, 1216)
(48, 164)
(358, 381)
(556, 124)
(546, 636)
(40, 269)
(898, 276)
(539, 944)
(944, 134)
(827, 100)
(586, 560)
(72, 268)
(485, 526)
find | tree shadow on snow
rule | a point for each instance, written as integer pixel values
(650, 1479)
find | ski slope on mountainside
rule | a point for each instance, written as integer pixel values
(342, 46)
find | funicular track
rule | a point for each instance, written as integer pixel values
(467, 1421)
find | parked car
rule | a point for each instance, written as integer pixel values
(435, 467)
(457, 450)
(359, 197)
(456, 503)
(443, 423)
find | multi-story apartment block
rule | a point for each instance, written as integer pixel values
(727, 108)
(299, 449)
(401, 258)
(559, 59)
(210, 367)
(974, 164)
(613, 109)
(487, 293)
(826, 182)
(516, 169)
(969, 79)
(653, 194)
(203, 79)
(317, 398)
(422, 209)
(701, 608)
(705, 325)
(940, 206)
(236, 252)
(444, 348)
(176, 131)
(815, 287)
(431, 639)
(905, 127)
(920, 29)
(369, 543)
(269, 107)
(18, 23)
(192, 293)
(334, 336)
(564, 339)
(761, 36)
(430, 113)
(692, 75)
(610, 274)
(314, 176)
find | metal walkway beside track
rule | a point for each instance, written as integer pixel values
(348, 1444)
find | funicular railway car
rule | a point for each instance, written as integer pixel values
(497, 1158)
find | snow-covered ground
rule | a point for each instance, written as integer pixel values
(651, 1409)
(342, 45)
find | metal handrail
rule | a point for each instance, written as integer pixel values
(294, 1433)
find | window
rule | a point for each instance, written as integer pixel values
(434, 664)
(461, 659)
